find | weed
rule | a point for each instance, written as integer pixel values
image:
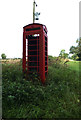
(28, 98)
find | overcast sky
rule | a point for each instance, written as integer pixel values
(60, 16)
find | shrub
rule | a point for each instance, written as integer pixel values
(28, 98)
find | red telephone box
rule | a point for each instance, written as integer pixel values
(35, 49)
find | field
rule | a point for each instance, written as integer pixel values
(28, 98)
(75, 65)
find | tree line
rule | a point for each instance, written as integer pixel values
(74, 50)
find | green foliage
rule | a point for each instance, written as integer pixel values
(3, 56)
(73, 49)
(63, 54)
(50, 57)
(74, 57)
(28, 98)
(76, 50)
(79, 48)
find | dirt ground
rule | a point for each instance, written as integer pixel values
(10, 61)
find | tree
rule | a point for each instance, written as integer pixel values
(79, 48)
(74, 57)
(3, 56)
(63, 54)
(73, 50)
(76, 50)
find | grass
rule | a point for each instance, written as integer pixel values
(28, 98)
(75, 65)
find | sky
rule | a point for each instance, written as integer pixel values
(61, 18)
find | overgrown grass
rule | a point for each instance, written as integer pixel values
(28, 98)
(75, 65)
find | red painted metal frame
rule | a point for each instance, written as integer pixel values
(32, 29)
